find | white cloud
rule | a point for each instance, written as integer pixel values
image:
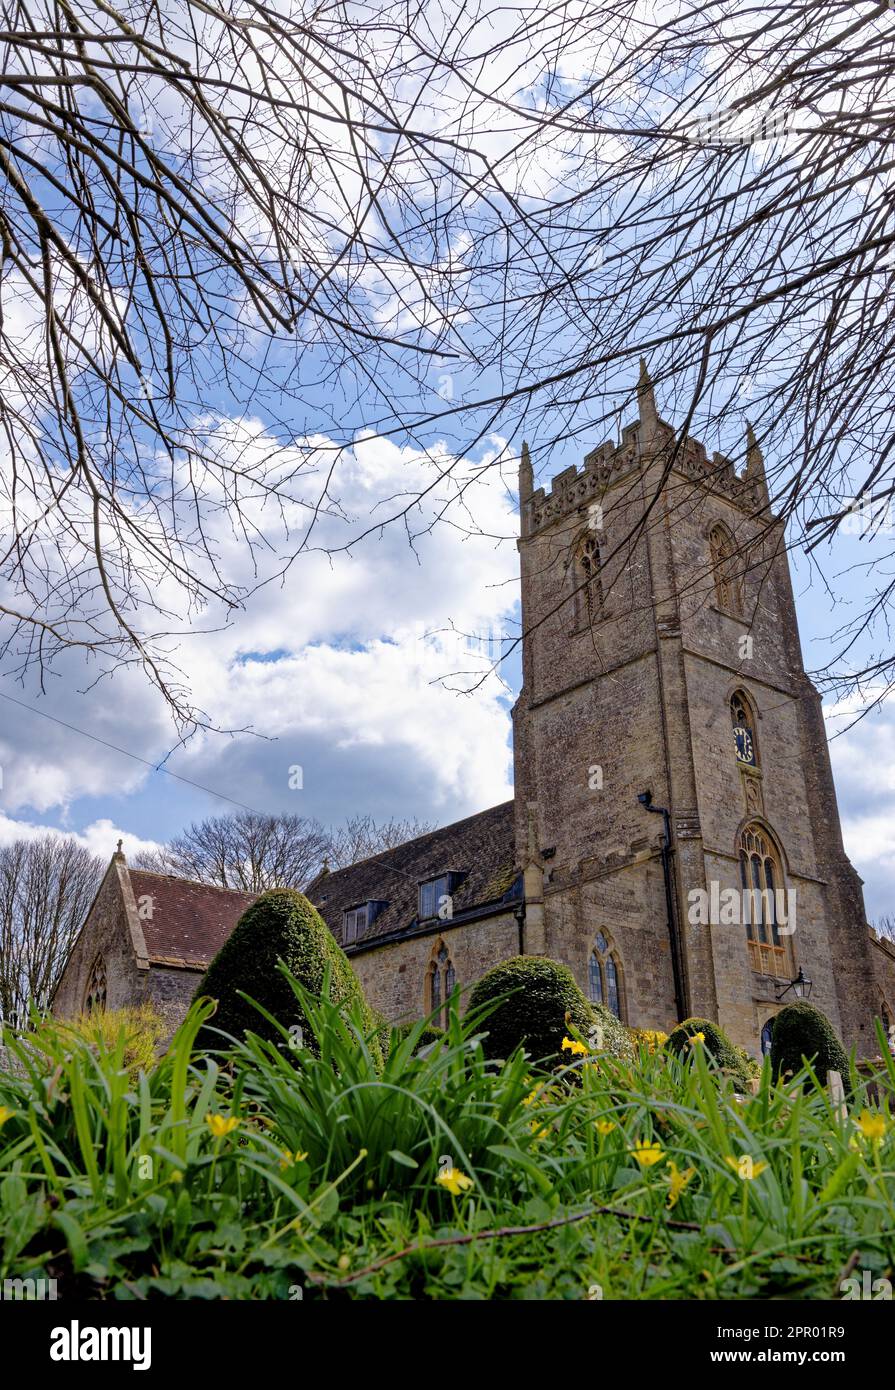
(101, 837)
(335, 663)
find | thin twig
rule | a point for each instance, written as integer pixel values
(494, 1235)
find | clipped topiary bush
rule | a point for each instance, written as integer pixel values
(535, 1014)
(801, 1032)
(729, 1058)
(280, 925)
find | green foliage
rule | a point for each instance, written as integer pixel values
(532, 1002)
(732, 1060)
(140, 1029)
(801, 1033)
(322, 1172)
(611, 1034)
(280, 925)
(427, 1035)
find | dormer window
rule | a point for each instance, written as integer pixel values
(355, 920)
(435, 895)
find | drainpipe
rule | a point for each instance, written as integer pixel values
(519, 914)
(646, 799)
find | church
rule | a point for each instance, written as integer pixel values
(674, 836)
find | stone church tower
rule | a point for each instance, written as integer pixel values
(662, 671)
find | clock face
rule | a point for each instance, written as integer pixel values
(744, 745)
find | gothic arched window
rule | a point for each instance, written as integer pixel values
(742, 716)
(95, 997)
(441, 978)
(603, 976)
(764, 904)
(588, 585)
(725, 572)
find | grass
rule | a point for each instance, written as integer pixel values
(269, 1172)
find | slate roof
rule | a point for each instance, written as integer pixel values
(190, 921)
(481, 847)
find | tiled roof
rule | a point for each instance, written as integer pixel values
(189, 922)
(482, 848)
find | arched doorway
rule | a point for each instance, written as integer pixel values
(766, 1036)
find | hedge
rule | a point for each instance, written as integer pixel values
(545, 998)
(730, 1059)
(801, 1032)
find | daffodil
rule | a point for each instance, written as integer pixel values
(5, 1114)
(221, 1124)
(677, 1181)
(577, 1049)
(872, 1126)
(289, 1159)
(647, 1154)
(538, 1130)
(695, 1038)
(533, 1097)
(744, 1166)
(455, 1181)
(604, 1127)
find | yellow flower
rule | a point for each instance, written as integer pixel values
(577, 1049)
(221, 1124)
(647, 1154)
(533, 1097)
(455, 1181)
(604, 1127)
(5, 1114)
(744, 1166)
(696, 1038)
(289, 1159)
(872, 1126)
(677, 1181)
(538, 1131)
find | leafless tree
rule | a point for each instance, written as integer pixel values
(252, 852)
(361, 837)
(249, 852)
(209, 214)
(219, 215)
(885, 926)
(46, 888)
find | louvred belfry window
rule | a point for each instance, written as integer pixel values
(725, 570)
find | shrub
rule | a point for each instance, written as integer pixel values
(801, 1032)
(139, 1027)
(612, 1035)
(428, 1035)
(748, 1065)
(650, 1038)
(545, 998)
(730, 1059)
(279, 925)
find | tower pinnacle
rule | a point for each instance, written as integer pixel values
(526, 474)
(755, 464)
(646, 399)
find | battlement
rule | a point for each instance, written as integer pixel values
(609, 462)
